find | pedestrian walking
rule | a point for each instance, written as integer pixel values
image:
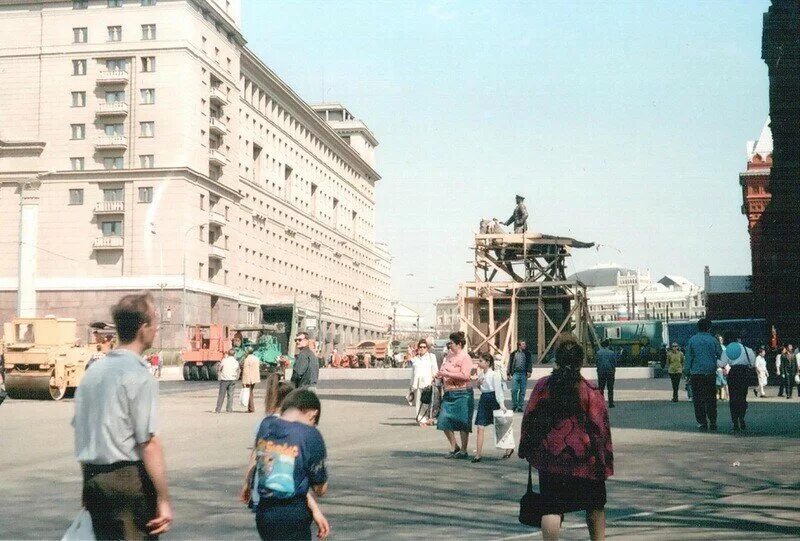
(305, 371)
(251, 376)
(742, 362)
(492, 399)
(423, 372)
(458, 402)
(782, 387)
(702, 352)
(520, 368)
(675, 369)
(228, 374)
(290, 465)
(761, 372)
(789, 370)
(566, 437)
(116, 417)
(606, 364)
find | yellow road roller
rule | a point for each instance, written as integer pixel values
(42, 357)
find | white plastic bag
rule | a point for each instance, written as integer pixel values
(504, 429)
(81, 528)
(245, 398)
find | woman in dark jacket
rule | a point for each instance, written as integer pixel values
(566, 437)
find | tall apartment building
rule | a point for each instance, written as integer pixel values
(144, 146)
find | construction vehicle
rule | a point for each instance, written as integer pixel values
(262, 339)
(378, 351)
(208, 344)
(42, 358)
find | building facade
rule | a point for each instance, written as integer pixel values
(754, 181)
(620, 294)
(447, 317)
(144, 146)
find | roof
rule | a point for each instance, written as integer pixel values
(675, 280)
(728, 284)
(600, 276)
(763, 146)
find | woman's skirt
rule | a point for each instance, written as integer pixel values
(456, 411)
(486, 406)
(564, 494)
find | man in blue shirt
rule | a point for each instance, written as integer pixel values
(700, 367)
(520, 368)
(606, 362)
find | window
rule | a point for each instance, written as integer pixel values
(113, 194)
(114, 129)
(78, 131)
(80, 4)
(115, 3)
(148, 64)
(146, 161)
(80, 35)
(202, 232)
(114, 33)
(202, 202)
(148, 96)
(146, 195)
(116, 64)
(113, 163)
(79, 99)
(115, 96)
(148, 31)
(203, 45)
(76, 196)
(79, 67)
(76, 164)
(148, 2)
(147, 129)
(112, 229)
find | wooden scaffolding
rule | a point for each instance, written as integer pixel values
(520, 292)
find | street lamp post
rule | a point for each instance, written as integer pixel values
(161, 285)
(319, 317)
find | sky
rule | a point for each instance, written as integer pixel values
(622, 123)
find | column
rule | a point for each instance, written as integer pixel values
(28, 239)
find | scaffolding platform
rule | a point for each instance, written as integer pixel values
(520, 292)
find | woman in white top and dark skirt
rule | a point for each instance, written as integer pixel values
(742, 360)
(424, 371)
(492, 398)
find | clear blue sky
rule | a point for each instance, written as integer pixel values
(623, 123)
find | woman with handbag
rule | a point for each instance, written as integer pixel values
(566, 436)
(491, 385)
(742, 362)
(458, 402)
(424, 370)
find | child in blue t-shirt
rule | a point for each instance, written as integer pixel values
(290, 464)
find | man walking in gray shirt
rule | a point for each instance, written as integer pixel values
(606, 363)
(305, 372)
(116, 417)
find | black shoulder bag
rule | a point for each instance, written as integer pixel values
(530, 506)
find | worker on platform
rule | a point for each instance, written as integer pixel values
(519, 217)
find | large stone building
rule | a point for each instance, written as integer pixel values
(447, 317)
(144, 146)
(617, 293)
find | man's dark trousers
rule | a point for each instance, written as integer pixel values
(121, 499)
(676, 384)
(704, 392)
(606, 379)
(225, 389)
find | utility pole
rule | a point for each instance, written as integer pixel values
(319, 317)
(633, 301)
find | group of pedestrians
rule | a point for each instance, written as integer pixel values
(118, 446)
(787, 366)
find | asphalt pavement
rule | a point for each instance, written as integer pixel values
(390, 480)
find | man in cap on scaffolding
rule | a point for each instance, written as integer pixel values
(520, 216)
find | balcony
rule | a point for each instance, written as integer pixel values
(110, 207)
(217, 218)
(115, 108)
(218, 96)
(112, 77)
(216, 157)
(111, 142)
(216, 125)
(217, 252)
(108, 243)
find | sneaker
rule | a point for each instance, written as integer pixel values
(476, 459)
(461, 454)
(453, 453)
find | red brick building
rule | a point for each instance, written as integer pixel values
(755, 192)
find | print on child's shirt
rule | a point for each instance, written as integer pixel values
(276, 468)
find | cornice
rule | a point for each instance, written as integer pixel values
(290, 101)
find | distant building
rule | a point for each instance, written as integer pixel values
(406, 322)
(447, 320)
(621, 294)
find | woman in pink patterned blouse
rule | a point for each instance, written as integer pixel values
(566, 436)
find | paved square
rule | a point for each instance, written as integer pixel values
(390, 480)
